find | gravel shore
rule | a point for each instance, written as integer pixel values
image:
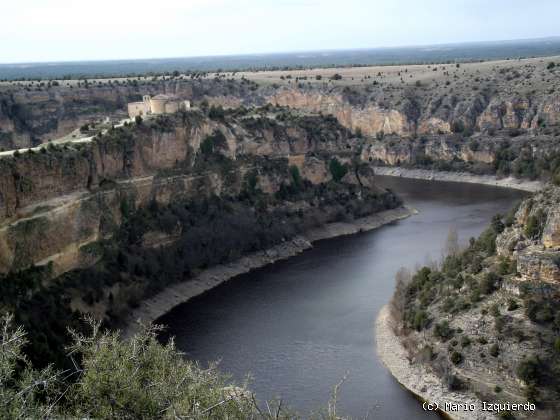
(513, 183)
(417, 379)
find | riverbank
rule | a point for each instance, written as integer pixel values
(153, 308)
(416, 378)
(430, 175)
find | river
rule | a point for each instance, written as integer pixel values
(299, 326)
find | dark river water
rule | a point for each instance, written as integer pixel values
(298, 326)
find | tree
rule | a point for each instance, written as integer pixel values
(359, 133)
(338, 170)
(529, 370)
(497, 224)
(216, 113)
(456, 357)
(24, 392)
(398, 303)
(535, 225)
(297, 181)
(452, 243)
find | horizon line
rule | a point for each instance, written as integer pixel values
(269, 53)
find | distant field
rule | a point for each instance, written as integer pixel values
(350, 58)
(532, 70)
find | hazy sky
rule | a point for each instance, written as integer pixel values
(52, 30)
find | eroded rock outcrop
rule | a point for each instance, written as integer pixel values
(533, 238)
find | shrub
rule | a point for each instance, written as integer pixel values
(135, 378)
(453, 382)
(557, 345)
(489, 283)
(499, 323)
(426, 354)
(216, 113)
(338, 170)
(494, 350)
(507, 266)
(535, 225)
(532, 394)
(211, 144)
(506, 415)
(512, 304)
(456, 358)
(297, 181)
(421, 320)
(443, 331)
(495, 310)
(538, 311)
(530, 370)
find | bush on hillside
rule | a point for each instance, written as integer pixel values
(116, 378)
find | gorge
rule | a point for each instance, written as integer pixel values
(100, 217)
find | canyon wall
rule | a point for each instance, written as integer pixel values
(34, 115)
(56, 203)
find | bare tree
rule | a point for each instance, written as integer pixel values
(397, 305)
(452, 243)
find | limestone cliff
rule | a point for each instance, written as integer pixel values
(56, 202)
(533, 240)
(32, 115)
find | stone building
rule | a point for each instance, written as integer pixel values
(157, 105)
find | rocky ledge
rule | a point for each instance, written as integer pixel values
(155, 307)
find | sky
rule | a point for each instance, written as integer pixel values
(67, 30)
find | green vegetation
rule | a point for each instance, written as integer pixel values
(213, 144)
(338, 170)
(443, 331)
(530, 370)
(113, 378)
(466, 289)
(535, 225)
(456, 357)
(494, 350)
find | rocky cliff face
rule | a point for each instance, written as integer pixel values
(533, 240)
(30, 115)
(57, 202)
(36, 114)
(420, 114)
